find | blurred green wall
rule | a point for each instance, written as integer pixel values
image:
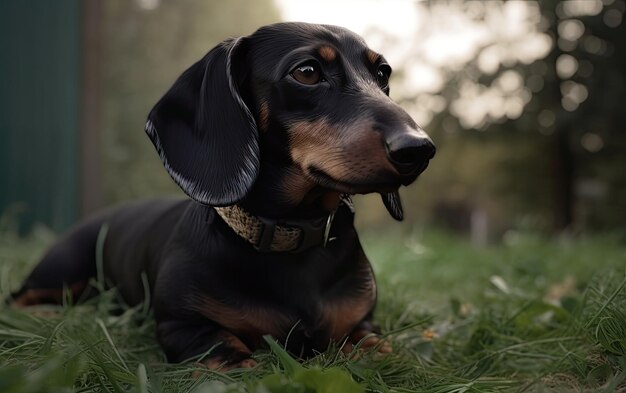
(39, 100)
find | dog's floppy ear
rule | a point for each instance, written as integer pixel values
(204, 132)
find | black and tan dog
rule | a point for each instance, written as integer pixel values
(267, 134)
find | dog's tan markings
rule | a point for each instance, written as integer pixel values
(294, 187)
(264, 116)
(316, 142)
(327, 53)
(346, 317)
(38, 296)
(372, 147)
(252, 322)
(219, 363)
(233, 342)
(330, 201)
(343, 315)
(365, 339)
(348, 153)
(372, 56)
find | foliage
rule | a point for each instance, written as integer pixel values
(533, 315)
(144, 51)
(549, 137)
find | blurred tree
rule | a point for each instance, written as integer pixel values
(147, 44)
(554, 91)
(581, 105)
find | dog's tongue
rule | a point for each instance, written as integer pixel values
(393, 205)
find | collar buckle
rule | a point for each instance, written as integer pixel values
(314, 232)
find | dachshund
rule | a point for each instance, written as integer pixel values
(269, 135)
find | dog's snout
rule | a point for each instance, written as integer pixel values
(410, 151)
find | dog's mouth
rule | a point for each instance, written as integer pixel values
(387, 190)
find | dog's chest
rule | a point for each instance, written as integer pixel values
(339, 317)
(321, 318)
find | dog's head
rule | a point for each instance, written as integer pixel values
(312, 99)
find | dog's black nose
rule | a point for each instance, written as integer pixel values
(410, 151)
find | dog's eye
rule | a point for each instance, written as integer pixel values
(382, 76)
(307, 74)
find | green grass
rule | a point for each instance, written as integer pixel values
(535, 316)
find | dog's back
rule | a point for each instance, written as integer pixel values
(130, 232)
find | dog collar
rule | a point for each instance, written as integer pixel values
(279, 235)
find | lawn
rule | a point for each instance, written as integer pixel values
(533, 315)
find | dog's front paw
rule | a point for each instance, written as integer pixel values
(222, 365)
(231, 354)
(365, 340)
(218, 363)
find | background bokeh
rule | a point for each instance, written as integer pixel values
(525, 101)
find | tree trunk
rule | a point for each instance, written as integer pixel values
(563, 180)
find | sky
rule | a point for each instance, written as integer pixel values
(356, 15)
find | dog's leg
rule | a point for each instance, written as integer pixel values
(69, 263)
(183, 340)
(365, 336)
